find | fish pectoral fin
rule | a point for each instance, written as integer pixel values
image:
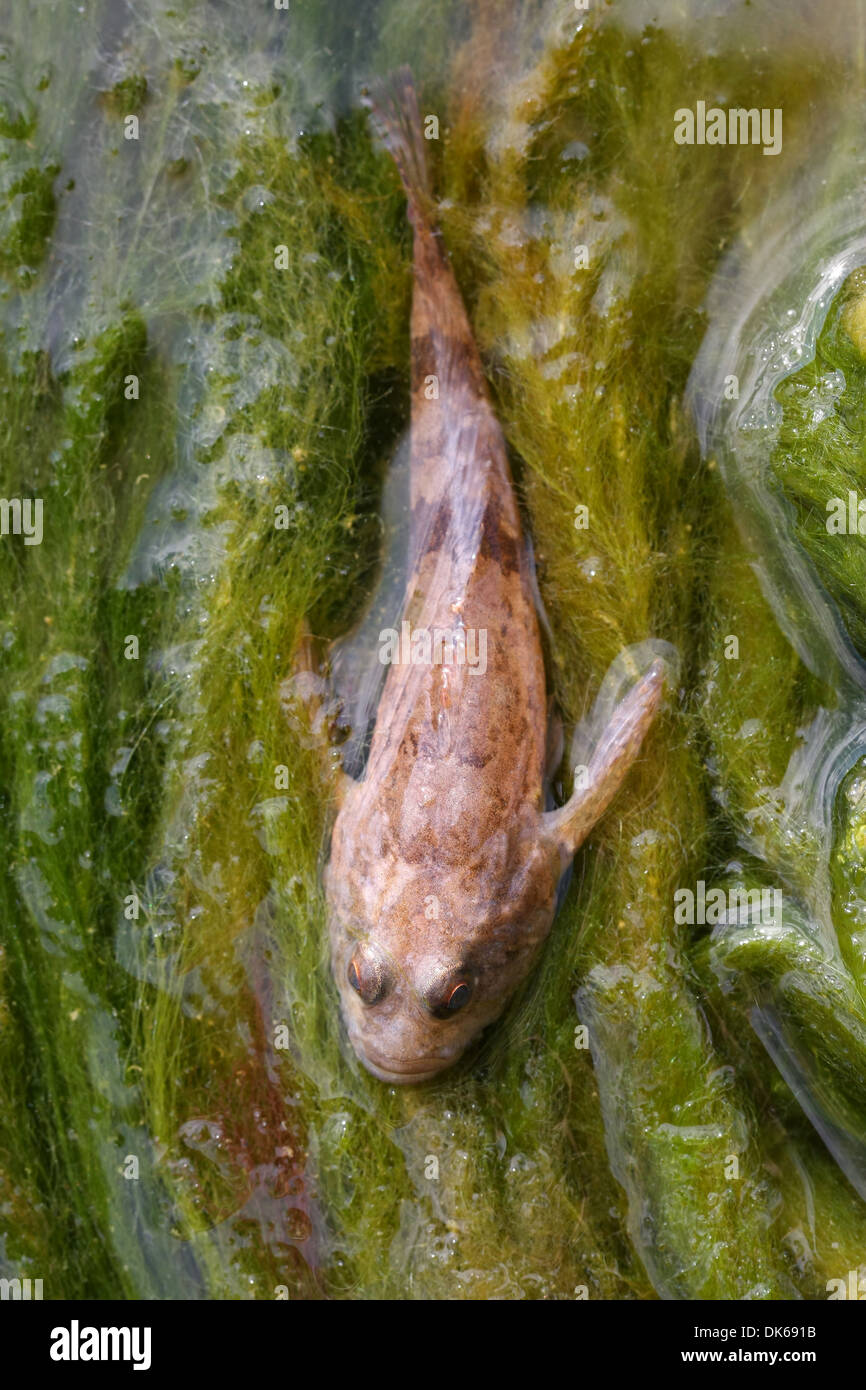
(616, 749)
(311, 710)
(555, 745)
(343, 785)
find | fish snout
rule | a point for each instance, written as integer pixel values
(400, 1048)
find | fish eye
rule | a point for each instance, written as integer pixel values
(367, 978)
(445, 1003)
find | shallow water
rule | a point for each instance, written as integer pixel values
(205, 379)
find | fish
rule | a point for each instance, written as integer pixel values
(444, 865)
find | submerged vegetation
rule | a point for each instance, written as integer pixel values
(204, 297)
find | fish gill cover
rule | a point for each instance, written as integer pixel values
(204, 369)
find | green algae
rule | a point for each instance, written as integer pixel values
(818, 459)
(209, 430)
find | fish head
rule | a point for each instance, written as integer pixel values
(424, 961)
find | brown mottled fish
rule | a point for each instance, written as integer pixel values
(444, 865)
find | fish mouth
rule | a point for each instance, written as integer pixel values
(388, 1069)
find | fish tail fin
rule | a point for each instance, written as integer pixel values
(393, 105)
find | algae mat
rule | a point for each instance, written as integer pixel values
(204, 297)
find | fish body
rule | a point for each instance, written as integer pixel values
(443, 870)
